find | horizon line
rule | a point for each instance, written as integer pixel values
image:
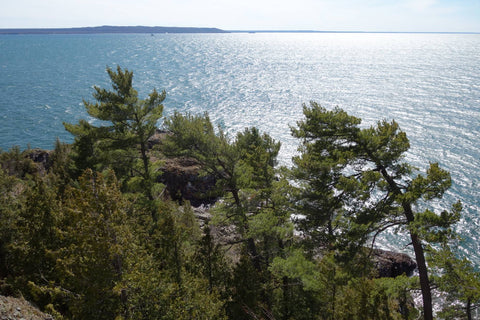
(161, 29)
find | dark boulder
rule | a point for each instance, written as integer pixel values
(184, 181)
(183, 177)
(391, 264)
(40, 157)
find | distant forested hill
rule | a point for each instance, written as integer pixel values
(112, 29)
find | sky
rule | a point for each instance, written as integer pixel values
(320, 15)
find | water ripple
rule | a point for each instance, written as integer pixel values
(427, 83)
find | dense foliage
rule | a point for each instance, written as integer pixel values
(90, 234)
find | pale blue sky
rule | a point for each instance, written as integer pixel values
(341, 15)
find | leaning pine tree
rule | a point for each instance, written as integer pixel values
(354, 184)
(121, 142)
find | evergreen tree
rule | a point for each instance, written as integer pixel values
(210, 261)
(325, 153)
(17, 163)
(161, 283)
(354, 183)
(30, 255)
(246, 299)
(97, 239)
(12, 200)
(258, 159)
(121, 143)
(458, 282)
(194, 136)
(254, 198)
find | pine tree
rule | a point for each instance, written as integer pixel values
(354, 184)
(458, 282)
(121, 143)
(254, 194)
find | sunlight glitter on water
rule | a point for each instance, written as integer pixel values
(428, 83)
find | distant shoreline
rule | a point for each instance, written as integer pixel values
(155, 30)
(110, 29)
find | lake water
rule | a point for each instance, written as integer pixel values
(428, 83)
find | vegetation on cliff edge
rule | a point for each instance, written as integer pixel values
(93, 234)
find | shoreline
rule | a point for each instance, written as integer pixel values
(110, 29)
(161, 29)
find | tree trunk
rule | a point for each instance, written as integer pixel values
(251, 246)
(236, 197)
(423, 274)
(286, 299)
(417, 248)
(146, 169)
(421, 265)
(469, 309)
(252, 251)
